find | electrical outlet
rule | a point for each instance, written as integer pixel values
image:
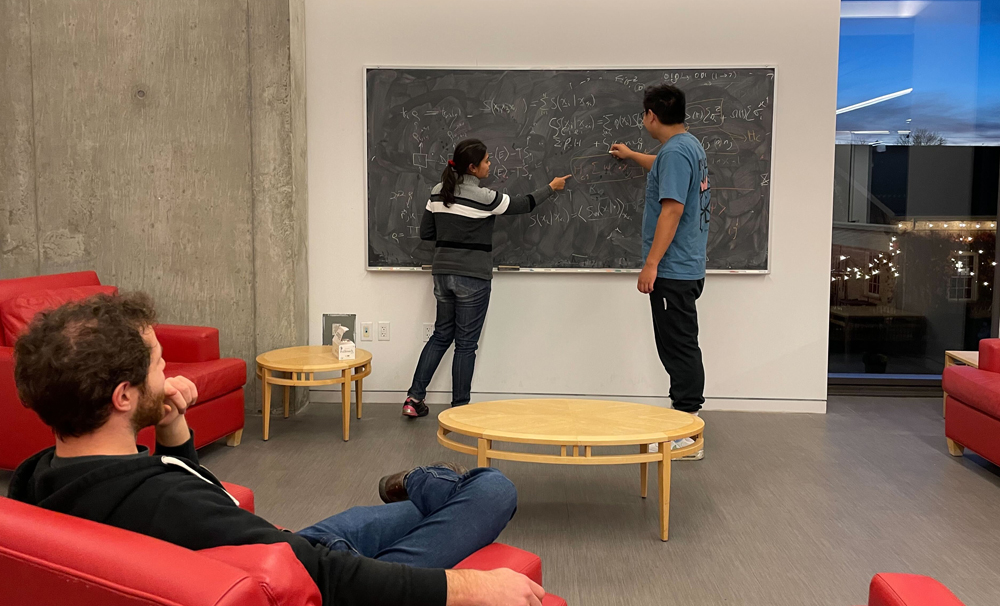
(367, 330)
(383, 331)
(428, 331)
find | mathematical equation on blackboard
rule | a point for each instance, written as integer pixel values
(541, 123)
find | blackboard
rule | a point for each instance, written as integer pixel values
(543, 123)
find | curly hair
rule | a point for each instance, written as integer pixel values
(72, 358)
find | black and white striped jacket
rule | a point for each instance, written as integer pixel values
(463, 232)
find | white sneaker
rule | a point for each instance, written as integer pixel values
(684, 443)
(654, 447)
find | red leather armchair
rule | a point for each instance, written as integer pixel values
(888, 589)
(52, 558)
(192, 351)
(972, 408)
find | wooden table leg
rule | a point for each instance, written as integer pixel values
(664, 469)
(358, 396)
(484, 445)
(288, 390)
(266, 405)
(345, 392)
(643, 471)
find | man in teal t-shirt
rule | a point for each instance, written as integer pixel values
(674, 243)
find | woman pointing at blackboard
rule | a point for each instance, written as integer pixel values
(459, 220)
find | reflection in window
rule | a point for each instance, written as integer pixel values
(963, 282)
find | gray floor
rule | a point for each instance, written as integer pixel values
(784, 510)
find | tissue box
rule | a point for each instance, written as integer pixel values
(343, 349)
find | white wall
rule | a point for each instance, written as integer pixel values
(764, 337)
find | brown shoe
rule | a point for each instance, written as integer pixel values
(392, 488)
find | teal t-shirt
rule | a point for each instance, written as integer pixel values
(680, 172)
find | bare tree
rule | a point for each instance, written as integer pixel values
(921, 136)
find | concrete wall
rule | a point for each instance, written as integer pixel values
(154, 142)
(764, 337)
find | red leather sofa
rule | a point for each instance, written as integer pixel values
(889, 589)
(972, 408)
(52, 558)
(192, 351)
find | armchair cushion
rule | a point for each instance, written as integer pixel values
(499, 555)
(275, 569)
(989, 355)
(60, 559)
(188, 343)
(976, 388)
(17, 312)
(213, 378)
(890, 589)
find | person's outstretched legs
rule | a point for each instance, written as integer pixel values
(448, 518)
(461, 515)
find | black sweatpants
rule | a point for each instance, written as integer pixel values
(675, 326)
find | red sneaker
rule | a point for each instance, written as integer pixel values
(415, 408)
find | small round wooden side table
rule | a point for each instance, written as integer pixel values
(302, 364)
(580, 425)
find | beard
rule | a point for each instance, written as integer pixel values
(150, 410)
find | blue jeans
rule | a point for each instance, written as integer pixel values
(447, 519)
(461, 312)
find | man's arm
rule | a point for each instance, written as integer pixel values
(172, 430)
(622, 152)
(502, 587)
(666, 227)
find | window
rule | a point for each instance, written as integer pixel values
(962, 285)
(874, 283)
(916, 184)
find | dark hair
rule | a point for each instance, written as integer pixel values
(470, 151)
(71, 359)
(666, 102)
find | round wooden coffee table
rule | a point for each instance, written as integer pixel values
(577, 427)
(302, 364)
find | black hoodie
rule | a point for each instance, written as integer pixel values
(170, 497)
